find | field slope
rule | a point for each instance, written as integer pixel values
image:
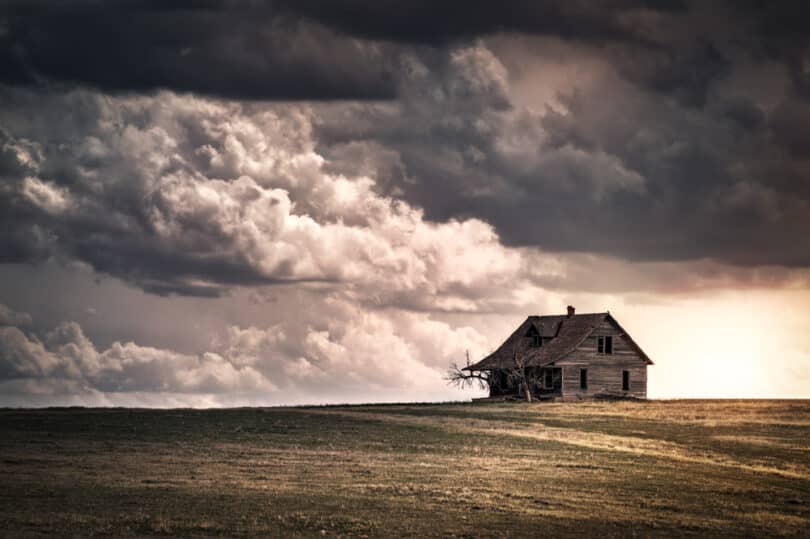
(700, 468)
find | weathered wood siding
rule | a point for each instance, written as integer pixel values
(604, 370)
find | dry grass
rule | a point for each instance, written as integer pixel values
(703, 468)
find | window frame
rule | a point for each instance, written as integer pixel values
(604, 344)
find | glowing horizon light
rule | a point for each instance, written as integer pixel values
(730, 345)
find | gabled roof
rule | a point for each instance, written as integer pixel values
(566, 333)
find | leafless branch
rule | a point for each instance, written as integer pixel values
(519, 375)
(460, 378)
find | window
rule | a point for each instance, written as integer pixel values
(549, 382)
(537, 341)
(604, 345)
(583, 378)
(625, 380)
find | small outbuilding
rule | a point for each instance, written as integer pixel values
(566, 357)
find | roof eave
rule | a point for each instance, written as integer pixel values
(633, 343)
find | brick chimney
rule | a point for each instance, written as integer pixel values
(571, 311)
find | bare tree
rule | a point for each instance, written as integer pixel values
(460, 378)
(519, 375)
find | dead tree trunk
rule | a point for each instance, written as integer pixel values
(521, 377)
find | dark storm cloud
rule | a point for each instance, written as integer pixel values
(316, 49)
(670, 150)
(669, 153)
(781, 30)
(272, 49)
(789, 126)
(244, 52)
(22, 240)
(430, 22)
(684, 73)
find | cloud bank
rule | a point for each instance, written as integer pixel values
(336, 357)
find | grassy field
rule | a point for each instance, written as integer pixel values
(693, 468)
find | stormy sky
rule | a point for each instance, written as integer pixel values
(225, 202)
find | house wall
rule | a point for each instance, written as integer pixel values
(604, 370)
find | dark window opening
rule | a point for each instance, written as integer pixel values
(604, 345)
(625, 380)
(600, 345)
(608, 345)
(537, 341)
(583, 378)
(549, 379)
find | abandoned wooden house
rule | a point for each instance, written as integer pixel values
(566, 357)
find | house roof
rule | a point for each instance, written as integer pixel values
(566, 334)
